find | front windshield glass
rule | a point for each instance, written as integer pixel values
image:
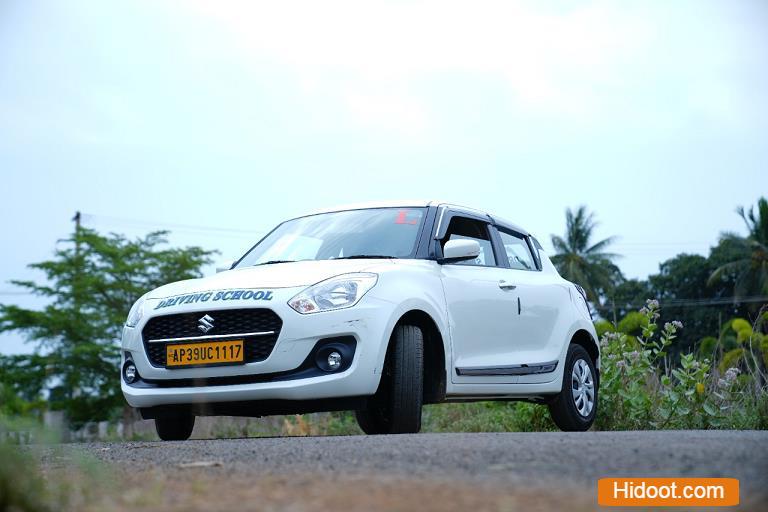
(375, 232)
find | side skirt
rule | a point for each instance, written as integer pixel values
(513, 369)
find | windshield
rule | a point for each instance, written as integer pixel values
(375, 232)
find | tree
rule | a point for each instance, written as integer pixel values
(21, 385)
(682, 286)
(626, 297)
(91, 283)
(749, 264)
(581, 261)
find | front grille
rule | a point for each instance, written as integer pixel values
(228, 321)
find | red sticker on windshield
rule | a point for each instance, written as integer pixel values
(402, 218)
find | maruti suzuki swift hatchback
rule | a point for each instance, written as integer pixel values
(377, 308)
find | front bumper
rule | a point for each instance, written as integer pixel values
(367, 322)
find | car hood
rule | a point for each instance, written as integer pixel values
(278, 275)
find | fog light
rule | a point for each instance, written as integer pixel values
(130, 373)
(334, 361)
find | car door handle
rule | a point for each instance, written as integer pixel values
(507, 286)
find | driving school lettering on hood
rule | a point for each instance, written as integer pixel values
(211, 296)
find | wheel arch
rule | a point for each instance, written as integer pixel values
(585, 339)
(435, 375)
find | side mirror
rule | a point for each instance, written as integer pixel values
(224, 266)
(460, 250)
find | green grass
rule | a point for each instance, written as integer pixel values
(70, 481)
(451, 417)
(22, 487)
(486, 417)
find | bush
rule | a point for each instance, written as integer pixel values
(708, 346)
(640, 389)
(602, 327)
(633, 323)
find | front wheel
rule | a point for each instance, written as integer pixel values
(575, 407)
(396, 407)
(177, 427)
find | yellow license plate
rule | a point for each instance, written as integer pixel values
(196, 354)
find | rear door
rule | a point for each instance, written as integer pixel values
(542, 300)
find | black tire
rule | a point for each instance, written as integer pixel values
(396, 407)
(563, 408)
(370, 421)
(176, 427)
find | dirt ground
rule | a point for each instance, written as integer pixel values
(207, 489)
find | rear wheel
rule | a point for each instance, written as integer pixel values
(575, 408)
(396, 407)
(177, 427)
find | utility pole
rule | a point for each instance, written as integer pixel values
(76, 280)
(78, 265)
(719, 323)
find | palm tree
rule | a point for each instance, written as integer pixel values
(582, 262)
(750, 267)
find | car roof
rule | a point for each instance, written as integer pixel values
(408, 203)
(420, 203)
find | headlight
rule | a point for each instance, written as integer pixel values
(338, 292)
(135, 314)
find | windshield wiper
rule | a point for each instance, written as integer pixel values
(366, 257)
(272, 262)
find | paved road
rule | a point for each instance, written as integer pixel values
(512, 470)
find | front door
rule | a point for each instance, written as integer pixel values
(482, 308)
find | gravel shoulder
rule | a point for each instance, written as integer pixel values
(488, 471)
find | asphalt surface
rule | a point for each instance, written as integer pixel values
(508, 462)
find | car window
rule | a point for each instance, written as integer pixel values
(517, 252)
(463, 228)
(536, 254)
(380, 232)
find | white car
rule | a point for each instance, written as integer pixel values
(377, 308)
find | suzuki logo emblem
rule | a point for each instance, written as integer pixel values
(205, 324)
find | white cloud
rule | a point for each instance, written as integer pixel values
(551, 62)
(394, 113)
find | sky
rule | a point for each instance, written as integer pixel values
(217, 120)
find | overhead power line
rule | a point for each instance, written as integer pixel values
(90, 217)
(108, 219)
(720, 301)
